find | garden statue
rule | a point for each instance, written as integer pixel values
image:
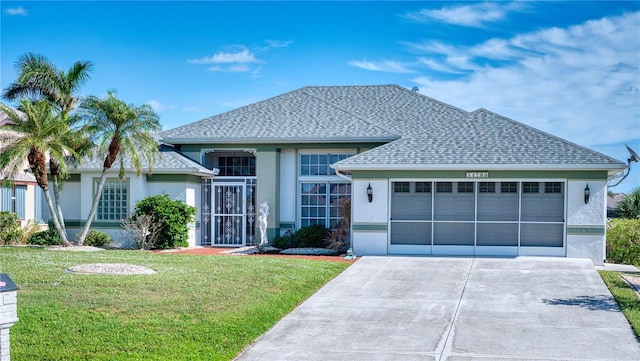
(264, 212)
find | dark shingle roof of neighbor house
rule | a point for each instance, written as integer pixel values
(168, 161)
(420, 132)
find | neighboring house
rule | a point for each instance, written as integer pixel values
(443, 181)
(19, 193)
(612, 203)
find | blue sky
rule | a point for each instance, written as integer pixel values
(568, 68)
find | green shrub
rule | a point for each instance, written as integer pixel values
(97, 238)
(49, 237)
(623, 241)
(310, 236)
(283, 241)
(173, 215)
(10, 231)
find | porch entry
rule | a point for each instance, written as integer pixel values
(477, 218)
(232, 214)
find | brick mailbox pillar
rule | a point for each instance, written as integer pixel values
(8, 312)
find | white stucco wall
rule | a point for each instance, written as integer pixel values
(593, 213)
(189, 193)
(369, 243)
(71, 201)
(370, 220)
(288, 189)
(374, 212)
(586, 223)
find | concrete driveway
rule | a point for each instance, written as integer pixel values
(435, 308)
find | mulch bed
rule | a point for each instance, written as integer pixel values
(206, 251)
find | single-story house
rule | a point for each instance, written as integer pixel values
(424, 177)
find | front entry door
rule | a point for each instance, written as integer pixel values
(229, 214)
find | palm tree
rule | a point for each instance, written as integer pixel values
(123, 130)
(38, 78)
(35, 134)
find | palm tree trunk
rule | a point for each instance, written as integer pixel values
(58, 206)
(94, 207)
(54, 218)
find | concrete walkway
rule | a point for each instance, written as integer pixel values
(434, 308)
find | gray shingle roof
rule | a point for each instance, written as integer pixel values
(168, 161)
(291, 117)
(481, 138)
(422, 132)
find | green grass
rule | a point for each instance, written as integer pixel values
(625, 296)
(194, 308)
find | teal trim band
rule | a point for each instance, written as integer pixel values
(586, 229)
(287, 225)
(370, 227)
(94, 224)
(182, 178)
(73, 178)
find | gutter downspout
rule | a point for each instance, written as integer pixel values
(350, 254)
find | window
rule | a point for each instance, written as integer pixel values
(113, 203)
(444, 187)
(486, 187)
(509, 187)
(553, 187)
(465, 187)
(319, 164)
(401, 187)
(13, 199)
(423, 187)
(530, 187)
(320, 202)
(237, 166)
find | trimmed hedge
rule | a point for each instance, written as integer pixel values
(623, 241)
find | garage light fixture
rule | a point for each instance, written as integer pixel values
(587, 193)
(370, 193)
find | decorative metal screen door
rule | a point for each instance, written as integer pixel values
(229, 213)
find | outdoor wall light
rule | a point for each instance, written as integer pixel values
(370, 193)
(587, 193)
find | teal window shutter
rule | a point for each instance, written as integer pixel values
(20, 201)
(5, 197)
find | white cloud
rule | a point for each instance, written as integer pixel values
(156, 105)
(16, 11)
(578, 82)
(388, 66)
(243, 56)
(234, 68)
(276, 44)
(475, 15)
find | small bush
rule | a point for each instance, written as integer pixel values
(623, 241)
(49, 237)
(311, 236)
(174, 217)
(97, 238)
(10, 231)
(142, 231)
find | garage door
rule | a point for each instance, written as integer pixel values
(477, 218)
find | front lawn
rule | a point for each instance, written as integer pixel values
(193, 308)
(625, 296)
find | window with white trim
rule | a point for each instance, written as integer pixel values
(114, 201)
(321, 191)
